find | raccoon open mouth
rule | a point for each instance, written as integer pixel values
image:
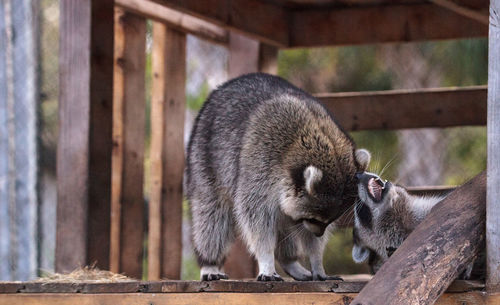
(376, 187)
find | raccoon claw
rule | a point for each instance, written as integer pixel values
(214, 277)
(320, 277)
(269, 278)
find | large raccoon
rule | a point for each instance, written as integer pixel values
(384, 217)
(267, 160)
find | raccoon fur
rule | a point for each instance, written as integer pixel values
(384, 217)
(267, 161)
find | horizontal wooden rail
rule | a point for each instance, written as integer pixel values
(430, 190)
(176, 20)
(400, 109)
(198, 286)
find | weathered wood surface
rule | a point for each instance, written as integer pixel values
(441, 190)
(268, 59)
(462, 10)
(493, 200)
(376, 24)
(18, 139)
(263, 21)
(472, 298)
(169, 79)
(176, 20)
(292, 26)
(127, 202)
(291, 286)
(399, 109)
(243, 58)
(435, 253)
(85, 133)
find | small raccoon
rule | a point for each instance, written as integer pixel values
(384, 217)
(266, 160)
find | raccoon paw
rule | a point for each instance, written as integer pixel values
(214, 277)
(324, 277)
(269, 278)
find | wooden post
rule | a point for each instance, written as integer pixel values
(268, 58)
(85, 133)
(169, 83)
(127, 202)
(246, 56)
(435, 253)
(493, 192)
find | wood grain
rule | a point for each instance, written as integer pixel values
(260, 20)
(288, 286)
(128, 149)
(376, 24)
(435, 253)
(176, 20)
(399, 109)
(85, 138)
(169, 78)
(472, 298)
(493, 200)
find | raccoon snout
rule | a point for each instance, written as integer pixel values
(314, 226)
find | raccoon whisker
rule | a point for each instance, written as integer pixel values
(293, 229)
(388, 164)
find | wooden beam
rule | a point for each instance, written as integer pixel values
(378, 24)
(166, 286)
(462, 10)
(243, 59)
(435, 253)
(127, 202)
(399, 109)
(493, 200)
(85, 133)
(262, 21)
(268, 59)
(472, 298)
(441, 190)
(176, 20)
(169, 78)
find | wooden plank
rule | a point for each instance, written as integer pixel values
(493, 190)
(440, 190)
(243, 59)
(176, 20)
(85, 138)
(462, 10)
(440, 107)
(473, 298)
(23, 216)
(263, 21)
(127, 233)
(377, 24)
(290, 286)
(435, 253)
(157, 123)
(268, 59)
(171, 45)
(5, 159)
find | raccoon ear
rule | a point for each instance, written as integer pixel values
(312, 175)
(360, 254)
(363, 157)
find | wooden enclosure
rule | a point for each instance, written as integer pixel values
(100, 216)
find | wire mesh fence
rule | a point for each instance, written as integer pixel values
(410, 157)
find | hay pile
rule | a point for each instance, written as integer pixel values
(87, 274)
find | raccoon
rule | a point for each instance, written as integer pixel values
(267, 161)
(384, 217)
